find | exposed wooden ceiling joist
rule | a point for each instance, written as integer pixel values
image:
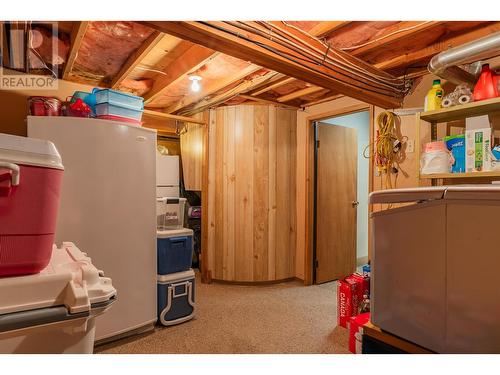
(210, 36)
(216, 86)
(299, 93)
(136, 58)
(322, 100)
(77, 34)
(243, 87)
(194, 58)
(169, 116)
(324, 28)
(281, 82)
(266, 101)
(403, 30)
(433, 49)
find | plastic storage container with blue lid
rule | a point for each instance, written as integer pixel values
(174, 250)
(118, 98)
(106, 109)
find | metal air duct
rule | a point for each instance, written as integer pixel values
(444, 65)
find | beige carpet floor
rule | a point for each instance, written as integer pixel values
(281, 318)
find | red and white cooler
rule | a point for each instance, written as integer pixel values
(54, 311)
(31, 172)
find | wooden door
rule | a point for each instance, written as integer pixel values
(336, 202)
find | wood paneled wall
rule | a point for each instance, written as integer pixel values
(252, 188)
(192, 154)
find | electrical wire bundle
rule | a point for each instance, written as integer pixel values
(349, 69)
(387, 148)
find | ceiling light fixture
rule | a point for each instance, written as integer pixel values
(195, 83)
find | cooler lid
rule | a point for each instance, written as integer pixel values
(175, 277)
(174, 233)
(70, 280)
(407, 194)
(29, 151)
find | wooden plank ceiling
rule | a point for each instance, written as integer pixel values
(155, 59)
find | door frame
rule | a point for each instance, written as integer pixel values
(310, 179)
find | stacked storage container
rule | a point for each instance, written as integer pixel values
(120, 106)
(176, 280)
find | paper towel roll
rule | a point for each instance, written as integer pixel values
(463, 99)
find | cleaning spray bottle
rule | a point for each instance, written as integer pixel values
(434, 96)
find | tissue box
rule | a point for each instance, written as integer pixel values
(478, 150)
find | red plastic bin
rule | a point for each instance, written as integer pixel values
(31, 173)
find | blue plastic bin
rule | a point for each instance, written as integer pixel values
(105, 109)
(176, 297)
(119, 99)
(175, 250)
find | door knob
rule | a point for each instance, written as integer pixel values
(355, 203)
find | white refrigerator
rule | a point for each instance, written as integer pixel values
(108, 209)
(167, 175)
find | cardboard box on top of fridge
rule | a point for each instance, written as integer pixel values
(478, 150)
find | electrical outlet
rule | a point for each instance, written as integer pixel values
(410, 146)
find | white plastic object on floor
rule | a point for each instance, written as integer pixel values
(432, 282)
(54, 311)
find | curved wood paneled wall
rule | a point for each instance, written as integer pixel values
(251, 194)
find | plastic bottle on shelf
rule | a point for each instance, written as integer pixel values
(434, 96)
(487, 84)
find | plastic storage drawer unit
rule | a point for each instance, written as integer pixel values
(176, 297)
(31, 172)
(54, 311)
(175, 250)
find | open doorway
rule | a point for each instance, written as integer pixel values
(341, 188)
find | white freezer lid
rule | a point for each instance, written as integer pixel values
(29, 151)
(407, 194)
(70, 280)
(473, 192)
(174, 233)
(176, 277)
(459, 192)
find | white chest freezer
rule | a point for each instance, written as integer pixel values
(54, 311)
(434, 279)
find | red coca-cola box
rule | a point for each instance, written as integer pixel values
(347, 300)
